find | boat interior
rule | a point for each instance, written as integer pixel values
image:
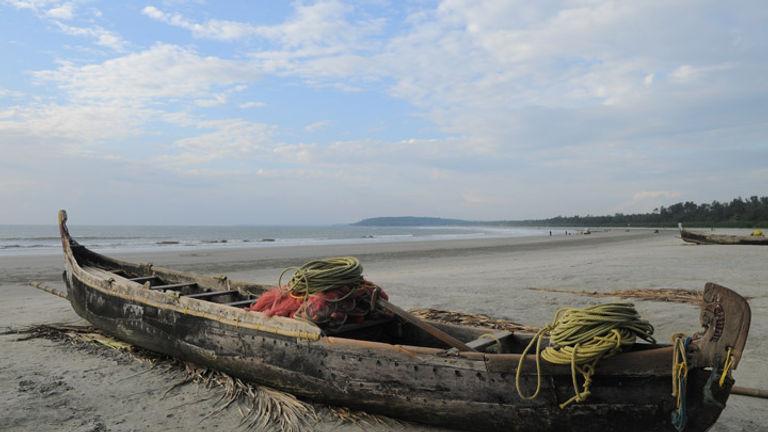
(392, 330)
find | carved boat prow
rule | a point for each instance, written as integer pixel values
(725, 317)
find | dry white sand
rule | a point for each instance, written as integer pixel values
(46, 386)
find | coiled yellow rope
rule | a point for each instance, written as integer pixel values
(581, 337)
(323, 275)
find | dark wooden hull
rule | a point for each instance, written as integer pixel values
(722, 239)
(467, 390)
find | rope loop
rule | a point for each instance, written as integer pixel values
(727, 365)
(581, 337)
(680, 379)
(324, 275)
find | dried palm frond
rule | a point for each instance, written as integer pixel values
(105, 340)
(48, 331)
(674, 295)
(362, 419)
(82, 336)
(473, 320)
(260, 407)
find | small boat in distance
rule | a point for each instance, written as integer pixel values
(722, 239)
(396, 367)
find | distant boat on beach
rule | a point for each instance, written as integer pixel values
(722, 239)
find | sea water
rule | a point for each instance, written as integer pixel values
(44, 239)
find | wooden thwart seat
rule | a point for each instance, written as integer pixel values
(143, 279)
(175, 286)
(490, 339)
(207, 295)
(241, 302)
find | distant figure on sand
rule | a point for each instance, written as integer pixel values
(550, 233)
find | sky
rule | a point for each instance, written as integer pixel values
(268, 112)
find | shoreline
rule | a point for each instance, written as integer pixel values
(153, 242)
(243, 258)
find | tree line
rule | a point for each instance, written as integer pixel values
(738, 213)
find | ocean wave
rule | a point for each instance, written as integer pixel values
(18, 246)
(57, 238)
(37, 240)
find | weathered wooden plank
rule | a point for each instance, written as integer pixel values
(99, 279)
(645, 362)
(209, 294)
(429, 328)
(241, 302)
(143, 279)
(172, 286)
(488, 339)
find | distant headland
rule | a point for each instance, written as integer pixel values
(413, 221)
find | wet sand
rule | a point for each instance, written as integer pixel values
(47, 386)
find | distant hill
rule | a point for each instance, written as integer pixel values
(412, 221)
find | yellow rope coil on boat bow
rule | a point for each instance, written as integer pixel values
(323, 275)
(581, 337)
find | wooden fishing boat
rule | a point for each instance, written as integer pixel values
(397, 368)
(722, 239)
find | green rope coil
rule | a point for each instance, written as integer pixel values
(581, 337)
(324, 274)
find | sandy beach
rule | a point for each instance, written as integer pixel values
(49, 386)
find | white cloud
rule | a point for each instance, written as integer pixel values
(62, 12)
(231, 138)
(10, 94)
(80, 125)
(687, 73)
(56, 11)
(214, 101)
(317, 126)
(33, 5)
(646, 201)
(317, 28)
(422, 153)
(160, 72)
(655, 195)
(122, 97)
(102, 36)
(213, 29)
(249, 105)
(648, 80)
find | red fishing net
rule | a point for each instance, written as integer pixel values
(331, 308)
